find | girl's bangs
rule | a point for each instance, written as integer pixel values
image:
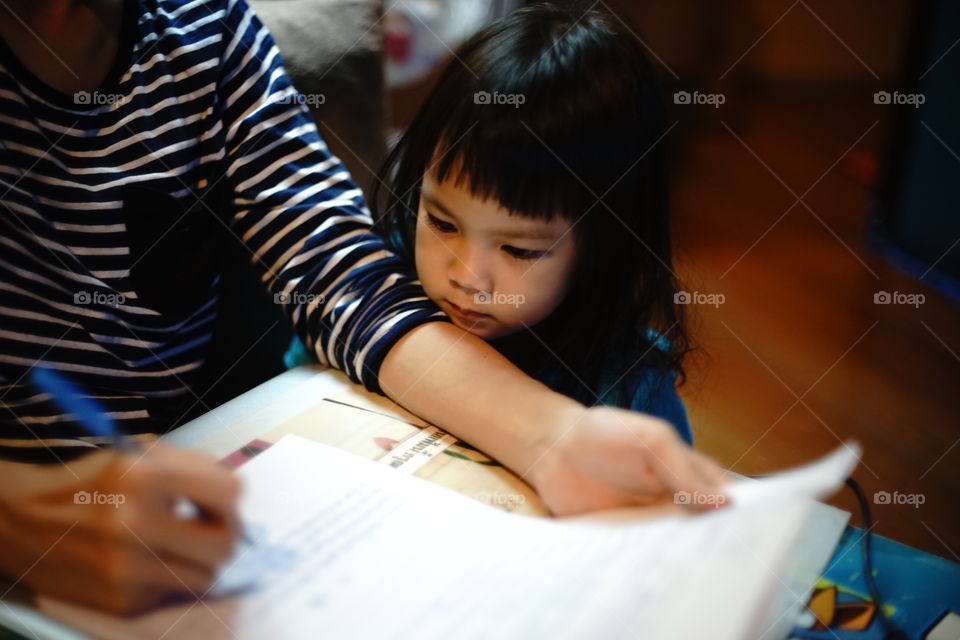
(531, 174)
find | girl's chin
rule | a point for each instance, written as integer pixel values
(476, 327)
(485, 328)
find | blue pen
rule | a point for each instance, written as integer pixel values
(86, 410)
(96, 422)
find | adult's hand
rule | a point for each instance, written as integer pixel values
(611, 458)
(102, 531)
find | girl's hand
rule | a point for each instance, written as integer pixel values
(610, 458)
(101, 530)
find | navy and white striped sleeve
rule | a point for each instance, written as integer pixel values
(302, 217)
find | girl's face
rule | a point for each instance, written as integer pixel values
(493, 273)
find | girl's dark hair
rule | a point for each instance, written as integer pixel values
(556, 112)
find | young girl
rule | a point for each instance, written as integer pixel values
(531, 193)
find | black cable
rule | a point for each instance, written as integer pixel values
(891, 631)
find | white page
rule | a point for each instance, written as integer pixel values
(347, 548)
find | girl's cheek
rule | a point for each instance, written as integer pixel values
(425, 259)
(551, 290)
(424, 243)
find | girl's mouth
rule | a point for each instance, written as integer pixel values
(467, 315)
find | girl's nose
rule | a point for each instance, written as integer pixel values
(469, 273)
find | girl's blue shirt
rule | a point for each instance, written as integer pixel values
(654, 392)
(623, 383)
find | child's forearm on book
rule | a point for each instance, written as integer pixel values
(458, 382)
(577, 459)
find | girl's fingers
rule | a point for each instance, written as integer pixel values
(716, 476)
(709, 470)
(683, 472)
(644, 456)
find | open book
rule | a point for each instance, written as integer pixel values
(347, 548)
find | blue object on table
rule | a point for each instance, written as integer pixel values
(918, 588)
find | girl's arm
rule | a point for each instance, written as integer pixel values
(577, 459)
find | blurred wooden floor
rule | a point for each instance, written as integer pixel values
(799, 358)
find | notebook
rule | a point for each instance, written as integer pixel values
(347, 548)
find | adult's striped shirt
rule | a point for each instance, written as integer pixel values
(197, 104)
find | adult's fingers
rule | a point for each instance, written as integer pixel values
(147, 559)
(165, 475)
(174, 574)
(125, 576)
(205, 544)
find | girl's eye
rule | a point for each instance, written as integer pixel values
(523, 254)
(441, 225)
